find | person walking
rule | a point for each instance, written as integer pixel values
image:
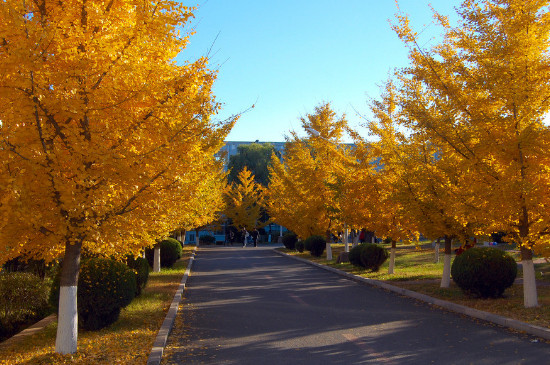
(245, 236)
(255, 236)
(231, 237)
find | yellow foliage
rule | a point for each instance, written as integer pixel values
(244, 201)
(481, 96)
(305, 189)
(105, 141)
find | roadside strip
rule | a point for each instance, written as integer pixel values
(160, 342)
(538, 331)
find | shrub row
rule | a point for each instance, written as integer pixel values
(170, 252)
(104, 287)
(484, 272)
(289, 240)
(23, 299)
(368, 255)
(314, 244)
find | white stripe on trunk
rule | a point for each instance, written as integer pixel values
(446, 278)
(67, 321)
(156, 259)
(529, 284)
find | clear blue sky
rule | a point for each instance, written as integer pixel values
(288, 56)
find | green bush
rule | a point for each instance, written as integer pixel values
(315, 245)
(484, 272)
(300, 246)
(104, 288)
(289, 240)
(207, 239)
(140, 266)
(170, 252)
(355, 255)
(373, 256)
(23, 300)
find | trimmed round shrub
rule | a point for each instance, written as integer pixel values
(355, 255)
(140, 266)
(315, 245)
(23, 300)
(484, 272)
(170, 252)
(289, 240)
(104, 288)
(300, 246)
(373, 256)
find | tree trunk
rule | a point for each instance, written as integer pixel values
(446, 278)
(346, 238)
(156, 258)
(437, 251)
(328, 248)
(530, 298)
(67, 317)
(392, 257)
(355, 239)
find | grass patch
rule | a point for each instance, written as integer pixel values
(128, 341)
(415, 269)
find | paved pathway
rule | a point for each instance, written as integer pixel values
(252, 306)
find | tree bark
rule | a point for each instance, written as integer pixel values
(446, 278)
(156, 258)
(67, 317)
(530, 298)
(328, 236)
(346, 238)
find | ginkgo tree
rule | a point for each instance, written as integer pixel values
(305, 186)
(378, 178)
(244, 201)
(101, 131)
(489, 80)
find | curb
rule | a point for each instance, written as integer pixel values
(534, 330)
(160, 341)
(37, 327)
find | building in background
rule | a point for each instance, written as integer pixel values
(273, 231)
(231, 148)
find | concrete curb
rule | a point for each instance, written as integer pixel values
(37, 327)
(538, 331)
(160, 341)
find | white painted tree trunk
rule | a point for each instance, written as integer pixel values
(156, 259)
(392, 260)
(355, 240)
(67, 321)
(372, 239)
(529, 284)
(446, 278)
(346, 238)
(329, 251)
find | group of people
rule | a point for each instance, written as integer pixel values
(255, 234)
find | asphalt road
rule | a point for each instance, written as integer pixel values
(252, 306)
